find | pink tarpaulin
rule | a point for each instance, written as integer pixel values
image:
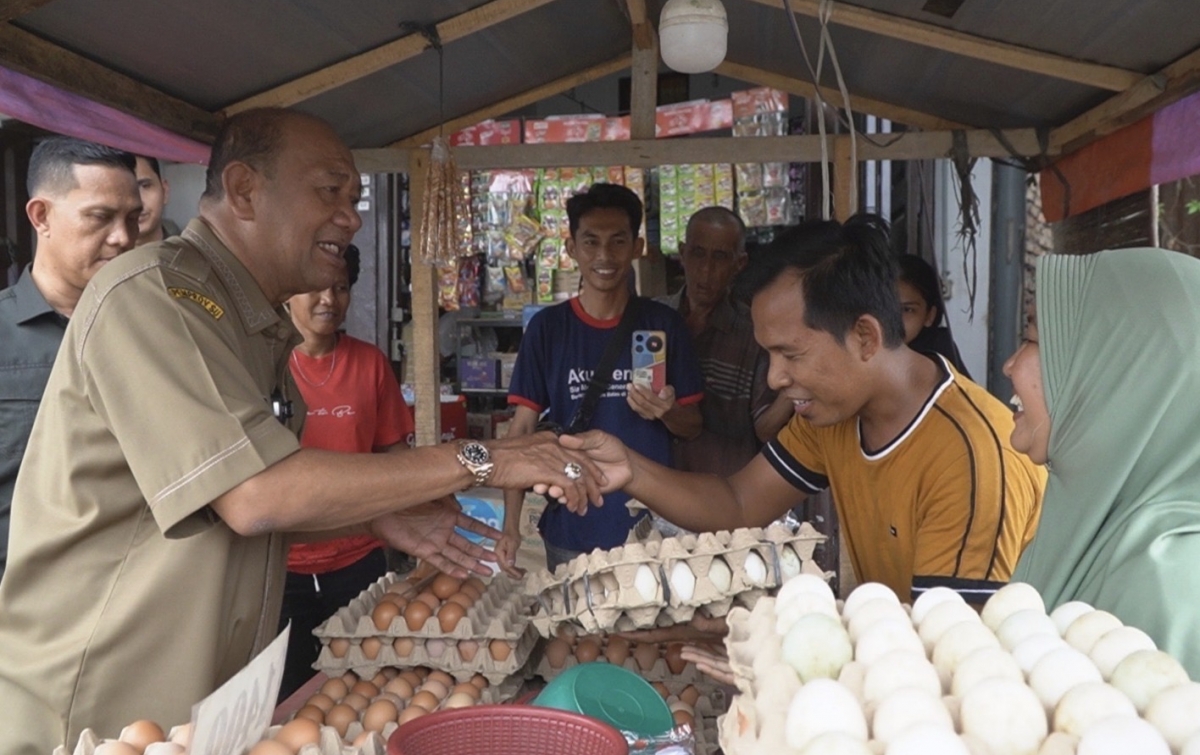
(42, 105)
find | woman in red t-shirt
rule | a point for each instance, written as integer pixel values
(354, 406)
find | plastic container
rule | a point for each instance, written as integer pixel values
(506, 730)
(612, 694)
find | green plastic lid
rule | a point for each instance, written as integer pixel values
(611, 694)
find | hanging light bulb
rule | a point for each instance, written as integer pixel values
(693, 34)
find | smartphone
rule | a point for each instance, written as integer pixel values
(650, 359)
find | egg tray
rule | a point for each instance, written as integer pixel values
(706, 733)
(658, 672)
(330, 742)
(450, 661)
(502, 612)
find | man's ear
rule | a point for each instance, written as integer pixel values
(867, 337)
(38, 212)
(241, 183)
(166, 191)
(639, 247)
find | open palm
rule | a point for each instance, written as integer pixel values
(428, 532)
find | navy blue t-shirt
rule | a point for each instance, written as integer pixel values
(560, 349)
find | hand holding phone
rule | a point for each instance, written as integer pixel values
(650, 359)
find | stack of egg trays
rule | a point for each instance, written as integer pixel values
(329, 744)
(753, 651)
(659, 672)
(597, 589)
(501, 613)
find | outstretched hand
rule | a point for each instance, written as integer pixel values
(608, 453)
(428, 532)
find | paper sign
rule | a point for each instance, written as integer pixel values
(234, 717)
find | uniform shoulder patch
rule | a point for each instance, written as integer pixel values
(208, 304)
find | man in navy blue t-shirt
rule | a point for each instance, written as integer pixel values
(561, 348)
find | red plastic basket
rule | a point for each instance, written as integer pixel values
(506, 730)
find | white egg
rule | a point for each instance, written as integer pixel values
(1006, 716)
(1065, 614)
(883, 637)
(720, 575)
(836, 743)
(1013, 597)
(1030, 651)
(957, 643)
(817, 647)
(984, 663)
(804, 584)
(800, 605)
(756, 569)
(1144, 674)
(1086, 631)
(1087, 704)
(646, 583)
(1057, 672)
(823, 706)
(683, 581)
(1175, 712)
(1059, 743)
(927, 739)
(905, 708)
(898, 669)
(1022, 625)
(1123, 735)
(1192, 747)
(871, 612)
(865, 593)
(1116, 645)
(789, 563)
(941, 618)
(931, 598)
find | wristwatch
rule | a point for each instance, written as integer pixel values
(477, 459)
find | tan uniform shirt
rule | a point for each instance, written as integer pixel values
(126, 597)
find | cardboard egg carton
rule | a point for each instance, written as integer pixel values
(502, 611)
(597, 591)
(659, 671)
(450, 658)
(329, 744)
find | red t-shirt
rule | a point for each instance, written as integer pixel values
(354, 405)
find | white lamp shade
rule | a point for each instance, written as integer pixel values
(692, 35)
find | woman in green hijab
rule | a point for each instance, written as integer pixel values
(1107, 389)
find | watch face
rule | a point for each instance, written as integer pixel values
(476, 453)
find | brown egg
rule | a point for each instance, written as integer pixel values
(412, 677)
(379, 714)
(430, 600)
(477, 583)
(467, 650)
(435, 647)
(587, 650)
(556, 653)
(370, 647)
(396, 600)
(417, 613)
(366, 689)
(466, 688)
(299, 732)
(141, 733)
(335, 688)
(462, 599)
(480, 681)
(689, 695)
(443, 586)
(674, 657)
(449, 616)
(661, 689)
(399, 687)
(410, 713)
(350, 678)
(312, 713)
(380, 679)
(383, 614)
(339, 646)
(500, 650)
(389, 672)
(646, 653)
(117, 747)
(403, 646)
(683, 717)
(471, 592)
(422, 672)
(354, 700)
(322, 701)
(424, 699)
(394, 699)
(459, 700)
(265, 747)
(341, 717)
(436, 687)
(616, 650)
(440, 676)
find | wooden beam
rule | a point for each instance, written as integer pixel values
(969, 45)
(643, 88)
(801, 88)
(426, 362)
(909, 145)
(10, 9)
(516, 102)
(25, 53)
(641, 24)
(385, 56)
(845, 179)
(1152, 93)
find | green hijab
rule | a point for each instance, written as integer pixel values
(1119, 336)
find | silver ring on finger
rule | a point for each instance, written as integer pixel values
(573, 471)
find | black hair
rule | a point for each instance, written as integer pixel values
(353, 263)
(717, 215)
(52, 164)
(919, 274)
(845, 270)
(154, 166)
(605, 196)
(254, 137)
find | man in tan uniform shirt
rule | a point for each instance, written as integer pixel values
(146, 556)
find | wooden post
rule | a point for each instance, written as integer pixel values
(643, 86)
(845, 180)
(427, 359)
